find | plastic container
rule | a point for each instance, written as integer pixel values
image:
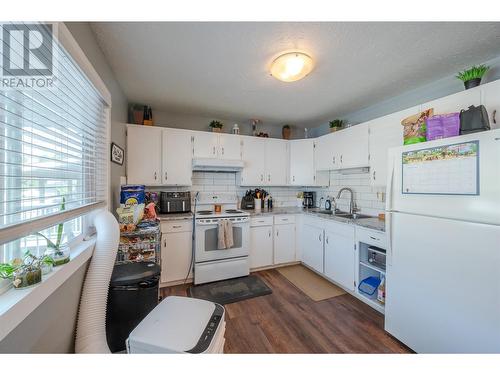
(443, 126)
(369, 285)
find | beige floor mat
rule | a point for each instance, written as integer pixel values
(313, 285)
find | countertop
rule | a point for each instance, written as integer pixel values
(371, 223)
(180, 216)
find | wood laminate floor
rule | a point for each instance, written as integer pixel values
(287, 321)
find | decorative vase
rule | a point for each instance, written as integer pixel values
(286, 133)
(334, 129)
(216, 130)
(26, 277)
(472, 83)
(60, 256)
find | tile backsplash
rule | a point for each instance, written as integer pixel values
(365, 195)
(226, 182)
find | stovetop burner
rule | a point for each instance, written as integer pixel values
(204, 212)
(233, 211)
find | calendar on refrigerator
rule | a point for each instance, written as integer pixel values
(446, 170)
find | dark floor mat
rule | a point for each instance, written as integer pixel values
(230, 291)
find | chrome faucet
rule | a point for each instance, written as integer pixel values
(352, 205)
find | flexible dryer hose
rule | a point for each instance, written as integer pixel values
(91, 326)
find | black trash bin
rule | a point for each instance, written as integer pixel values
(133, 293)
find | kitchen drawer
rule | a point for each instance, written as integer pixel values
(371, 237)
(260, 221)
(284, 219)
(176, 226)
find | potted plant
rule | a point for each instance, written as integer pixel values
(216, 126)
(286, 132)
(336, 125)
(57, 251)
(472, 77)
(25, 272)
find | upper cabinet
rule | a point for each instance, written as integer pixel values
(344, 149)
(144, 155)
(266, 161)
(490, 98)
(229, 147)
(177, 148)
(353, 147)
(276, 162)
(253, 153)
(205, 145)
(216, 146)
(385, 132)
(302, 172)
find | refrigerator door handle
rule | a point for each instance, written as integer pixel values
(390, 180)
(388, 230)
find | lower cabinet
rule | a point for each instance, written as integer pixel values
(176, 247)
(340, 256)
(284, 243)
(261, 246)
(312, 247)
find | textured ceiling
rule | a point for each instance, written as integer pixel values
(221, 69)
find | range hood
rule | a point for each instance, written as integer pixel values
(217, 165)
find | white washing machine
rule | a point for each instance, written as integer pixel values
(180, 325)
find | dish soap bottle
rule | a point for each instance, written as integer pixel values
(381, 291)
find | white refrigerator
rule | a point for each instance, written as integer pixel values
(443, 256)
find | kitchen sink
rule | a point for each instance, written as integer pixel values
(343, 214)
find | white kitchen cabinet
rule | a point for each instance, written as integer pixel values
(490, 98)
(352, 147)
(177, 157)
(261, 246)
(254, 158)
(276, 163)
(205, 145)
(325, 152)
(312, 247)
(456, 102)
(340, 259)
(144, 155)
(176, 252)
(385, 132)
(302, 171)
(284, 243)
(229, 147)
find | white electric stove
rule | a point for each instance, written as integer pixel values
(212, 263)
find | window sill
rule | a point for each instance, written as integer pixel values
(17, 304)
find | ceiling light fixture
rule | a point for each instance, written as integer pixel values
(291, 66)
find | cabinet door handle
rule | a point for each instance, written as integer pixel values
(293, 178)
(375, 238)
(494, 116)
(341, 158)
(284, 219)
(269, 232)
(213, 150)
(155, 176)
(269, 177)
(165, 242)
(320, 238)
(326, 239)
(277, 232)
(374, 175)
(222, 150)
(177, 226)
(261, 177)
(166, 176)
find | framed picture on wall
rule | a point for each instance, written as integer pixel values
(117, 154)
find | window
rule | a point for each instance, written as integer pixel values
(53, 148)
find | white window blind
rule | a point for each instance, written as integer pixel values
(53, 146)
